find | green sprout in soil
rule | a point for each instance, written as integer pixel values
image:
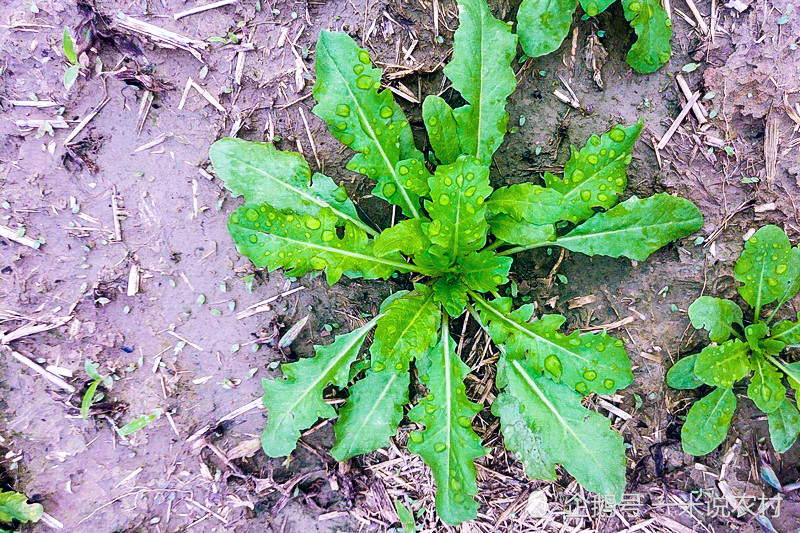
(455, 243)
(769, 272)
(68, 47)
(543, 25)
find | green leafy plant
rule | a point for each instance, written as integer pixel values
(14, 507)
(303, 223)
(543, 25)
(68, 46)
(769, 273)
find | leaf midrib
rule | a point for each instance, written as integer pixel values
(372, 135)
(353, 435)
(552, 408)
(626, 229)
(314, 199)
(524, 330)
(324, 376)
(396, 264)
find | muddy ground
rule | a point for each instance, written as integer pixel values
(132, 192)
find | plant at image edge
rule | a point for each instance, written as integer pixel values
(304, 223)
(14, 506)
(769, 272)
(544, 24)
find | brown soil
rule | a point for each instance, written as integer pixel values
(177, 344)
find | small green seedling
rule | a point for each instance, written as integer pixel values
(544, 24)
(304, 223)
(140, 423)
(68, 46)
(97, 379)
(769, 273)
(14, 506)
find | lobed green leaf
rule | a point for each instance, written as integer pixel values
(707, 422)
(543, 25)
(483, 49)
(448, 445)
(407, 236)
(15, 506)
(521, 439)
(406, 330)
(579, 439)
(681, 374)
(368, 121)
(510, 231)
(784, 426)
(787, 332)
(451, 292)
(302, 243)
(484, 271)
(715, 315)
(263, 174)
(635, 228)
(596, 175)
(722, 365)
(442, 129)
(296, 402)
(372, 413)
(653, 30)
(765, 389)
(457, 209)
(589, 362)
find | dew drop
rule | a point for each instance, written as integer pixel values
(577, 176)
(358, 69)
(617, 134)
(403, 170)
(444, 199)
(364, 81)
(581, 387)
(363, 56)
(347, 139)
(595, 140)
(389, 189)
(592, 9)
(766, 392)
(251, 214)
(590, 375)
(430, 408)
(416, 437)
(609, 383)
(458, 498)
(470, 191)
(313, 223)
(635, 7)
(378, 367)
(386, 111)
(235, 218)
(464, 422)
(343, 110)
(593, 159)
(553, 365)
(780, 269)
(253, 239)
(603, 197)
(327, 235)
(439, 447)
(455, 484)
(586, 195)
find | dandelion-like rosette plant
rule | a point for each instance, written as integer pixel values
(456, 239)
(769, 275)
